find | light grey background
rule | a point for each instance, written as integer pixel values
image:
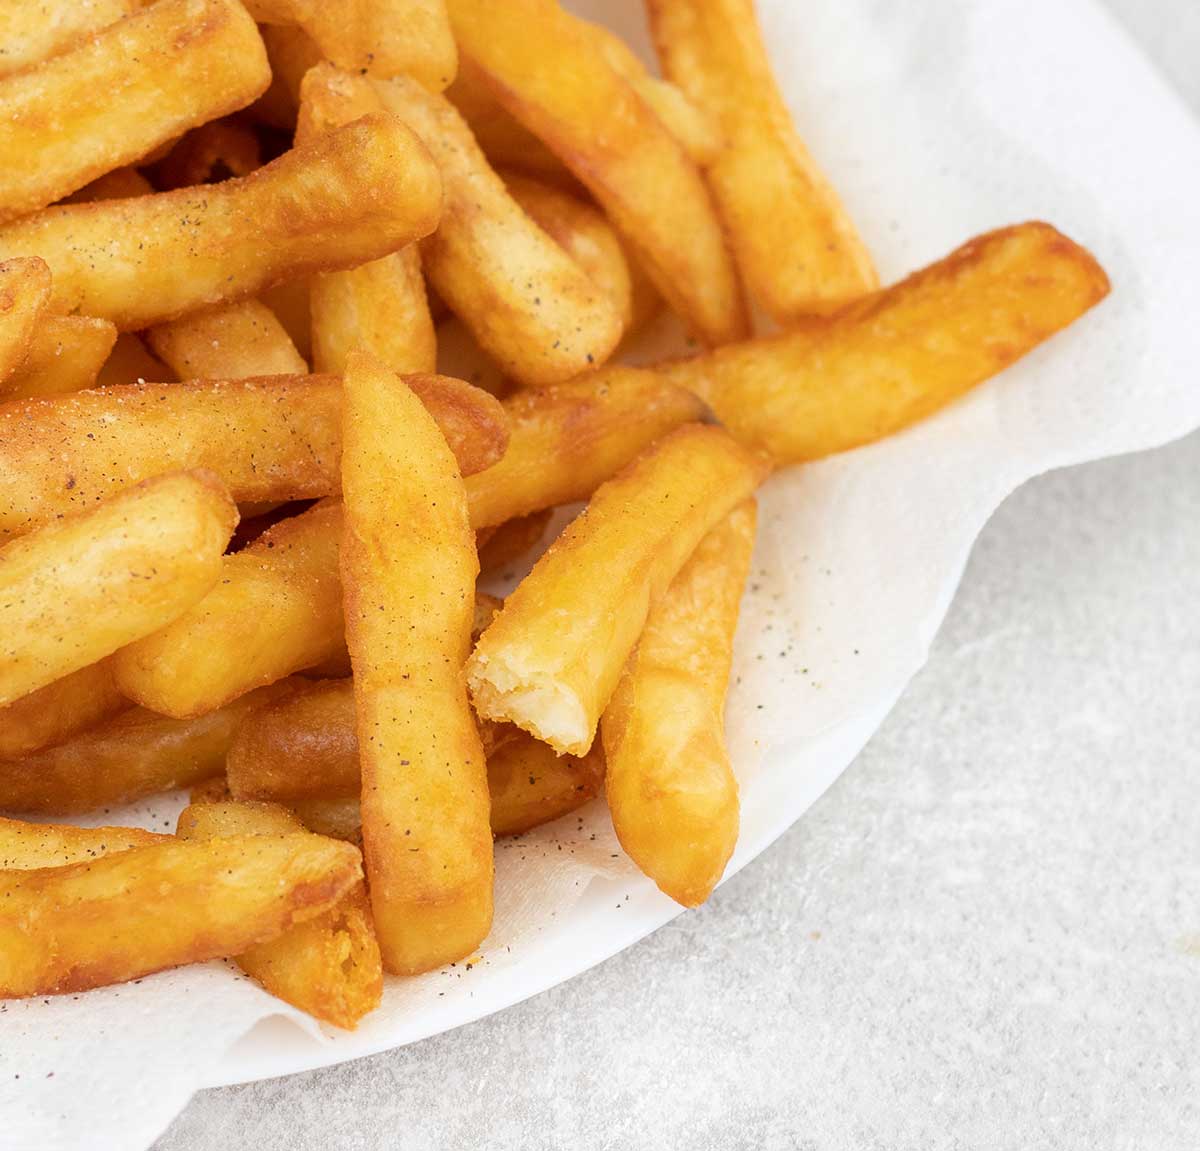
(986, 935)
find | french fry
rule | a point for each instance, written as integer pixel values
(24, 846)
(510, 540)
(73, 592)
(670, 787)
(567, 440)
(24, 292)
(530, 785)
(902, 354)
(382, 37)
(551, 659)
(270, 439)
(289, 302)
(133, 754)
(352, 196)
(276, 609)
(35, 30)
(162, 905)
(339, 818)
(214, 151)
(65, 354)
(228, 342)
(291, 52)
(119, 184)
(329, 965)
(530, 306)
(545, 70)
(130, 361)
(60, 710)
(408, 572)
(796, 247)
(166, 69)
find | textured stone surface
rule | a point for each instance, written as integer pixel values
(986, 935)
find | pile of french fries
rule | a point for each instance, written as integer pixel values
(202, 200)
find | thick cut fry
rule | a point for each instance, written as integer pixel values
(510, 540)
(567, 440)
(530, 785)
(130, 362)
(568, 94)
(131, 755)
(24, 846)
(902, 354)
(408, 570)
(212, 152)
(339, 818)
(65, 355)
(119, 184)
(329, 965)
(228, 342)
(671, 790)
(551, 659)
(59, 710)
(162, 905)
(35, 30)
(796, 248)
(24, 292)
(276, 609)
(73, 592)
(530, 306)
(382, 37)
(289, 302)
(118, 95)
(352, 196)
(291, 52)
(269, 440)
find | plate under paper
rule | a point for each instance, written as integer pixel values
(937, 119)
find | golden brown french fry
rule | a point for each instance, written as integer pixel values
(555, 83)
(603, 574)
(670, 786)
(24, 846)
(119, 184)
(228, 342)
(291, 52)
(530, 306)
(160, 72)
(382, 37)
(339, 818)
(352, 196)
(289, 302)
(24, 293)
(796, 247)
(270, 439)
(35, 30)
(276, 609)
(162, 905)
(59, 710)
(530, 785)
(214, 151)
(567, 440)
(510, 540)
(65, 354)
(408, 571)
(129, 362)
(73, 592)
(902, 354)
(126, 757)
(329, 965)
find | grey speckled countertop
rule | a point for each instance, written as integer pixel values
(986, 935)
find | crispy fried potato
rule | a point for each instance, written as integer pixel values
(228, 342)
(35, 30)
(551, 659)
(408, 570)
(338, 818)
(381, 307)
(530, 306)
(24, 846)
(291, 52)
(902, 354)
(289, 302)
(796, 247)
(531, 785)
(126, 757)
(276, 609)
(73, 592)
(270, 439)
(65, 354)
(567, 440)
(352, 196)
(510, 540)
(59, 710)
(24, 293)
(158, 73)
(214, 151)
(545, 69)
(380, 37)
(119, 184)
(329, 965)
(130, 361)
(162, 905)
(671, 789)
